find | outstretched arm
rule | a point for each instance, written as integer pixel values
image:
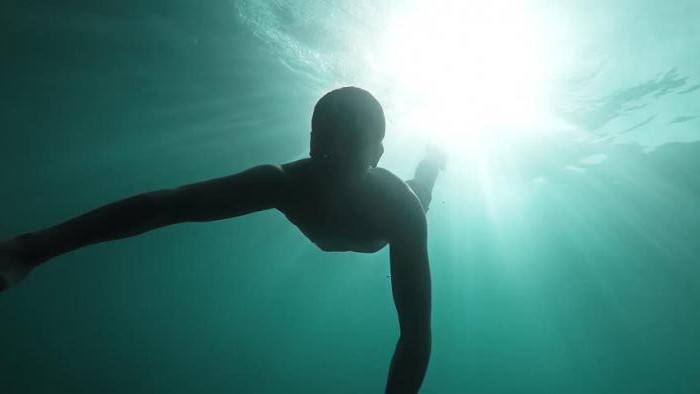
(426, 174)
(410, 282)
(252, 190)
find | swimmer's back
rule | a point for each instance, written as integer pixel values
(352, 213)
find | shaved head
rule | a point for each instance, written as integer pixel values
(347, 124)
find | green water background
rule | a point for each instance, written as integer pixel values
(585, 283)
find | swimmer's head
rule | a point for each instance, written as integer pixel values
(347, 128)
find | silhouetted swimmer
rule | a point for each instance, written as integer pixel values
(338, 198)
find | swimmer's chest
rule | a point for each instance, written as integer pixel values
(337, 221)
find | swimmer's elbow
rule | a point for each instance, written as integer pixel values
(419, 340)
(255, 189)
(160, 203)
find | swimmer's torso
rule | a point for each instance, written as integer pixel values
(335, 215)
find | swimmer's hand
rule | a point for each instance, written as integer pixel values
(435, 160)
(12, 269)
(435, 157)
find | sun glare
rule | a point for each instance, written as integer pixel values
(463, 69)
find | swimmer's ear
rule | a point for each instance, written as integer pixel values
(314, 146)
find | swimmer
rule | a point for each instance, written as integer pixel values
(338, 198)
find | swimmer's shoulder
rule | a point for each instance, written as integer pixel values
(394, 196)
(296, 167)
(387, 183)
(296, 171)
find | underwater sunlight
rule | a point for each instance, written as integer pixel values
(561, 236)
(465, 70)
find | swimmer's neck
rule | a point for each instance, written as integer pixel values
(339, 173)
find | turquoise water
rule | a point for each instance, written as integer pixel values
(563, 248)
